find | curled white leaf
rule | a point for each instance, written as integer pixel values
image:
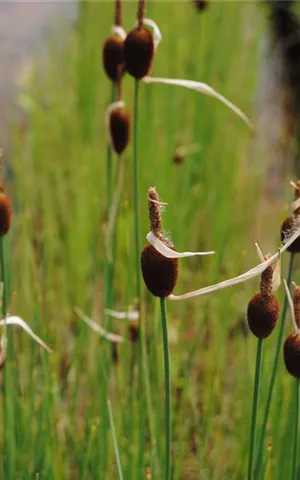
(253, 272)
(202, 88)
(111, 337)
(295, 205)
(293, 184)
(167, 252)
(132, 315)
(118, 30)
(13, 320)
(157, 36)
(291, 305)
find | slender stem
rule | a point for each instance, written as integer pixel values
(259, 353)
(274, 371)
(116, 448)
(136, 193)
(296, 432)
(9, 426)
(118, 13)
(168, 388)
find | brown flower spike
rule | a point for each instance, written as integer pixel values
(291, 348)
(113, 58)
(5, 206)
(160, 273)
(290, 223)
(263, 308)
(119, 128)
(138, 52)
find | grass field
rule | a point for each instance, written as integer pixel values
(56, 418)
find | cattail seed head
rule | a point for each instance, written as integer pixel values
(296, 303)
(154, 212)
(266, 281)
(287, 227)
(5, 214)
(291, 354)
(134, 331)
(201, 4)
(262, 313)
(113, 58)
(138, 52)
(119, 127)
(160, 274)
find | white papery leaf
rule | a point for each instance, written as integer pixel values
(118, 30)
(167, 252)
(253, 272)
(130, 315)
(13, 320)
(112, 337)
(202, 88)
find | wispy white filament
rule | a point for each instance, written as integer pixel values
(202, 88)
(253, 272)
(276, 277)
(113, 212)
(259, 253)
(291, 305)
(130, 315)
(118, 30)
(111, 337)
(13, 320)
(167, 251)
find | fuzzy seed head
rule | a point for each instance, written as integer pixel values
(138, 52)
(134, 331)
(266, 281)
(119, 127)
(178, 158)
(296, 302)
(201, 4)
(5, 214)
(291, 354)
(286, 228)
(262, 314)
(160, 274)
(113, 58)
(154, 212)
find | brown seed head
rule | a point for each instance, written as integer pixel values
(119, 127)
(266, 280)
(113, 58)
(178, 158)
(296, 302)
(287, 228)
(154, 212)
(291, 354)
(262, 314)
(138, 52)
(201, 4)
(5, 214)
(160, 273)
(134, 331)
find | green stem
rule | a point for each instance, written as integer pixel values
(296, 431)
(8, 403)
(112, 426)
(274, 371)
(136, 193)
(259, 353)
(168, 388)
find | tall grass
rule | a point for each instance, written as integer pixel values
(60, 407)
